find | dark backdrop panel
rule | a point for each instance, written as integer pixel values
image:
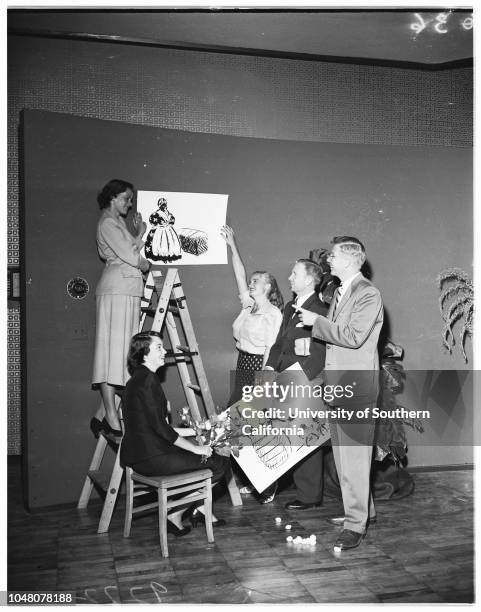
(411, 206)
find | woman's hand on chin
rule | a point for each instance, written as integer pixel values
(140, 226)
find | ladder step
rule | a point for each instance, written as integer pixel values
(194, 387)
(149, 311)
(111, 437)
(179, 300)
(185, 349)
(178, 355)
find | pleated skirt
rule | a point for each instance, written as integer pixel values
(116, 322)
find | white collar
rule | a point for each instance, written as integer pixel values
(346, 283)
(299, 301)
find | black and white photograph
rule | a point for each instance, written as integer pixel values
(241, 347)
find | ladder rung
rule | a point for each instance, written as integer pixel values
(111, 437)
(186, 350)
(193, 387)
(149, 311)
(178, 300)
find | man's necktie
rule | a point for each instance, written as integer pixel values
(337, 299)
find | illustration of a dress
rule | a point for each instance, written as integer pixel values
(162, 242)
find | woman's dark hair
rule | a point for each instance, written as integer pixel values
(139, 348)
(329, 283)
(112, 189)
(319, 256)
(274, 296)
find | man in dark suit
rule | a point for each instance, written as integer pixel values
(295, 350)
(351, 332)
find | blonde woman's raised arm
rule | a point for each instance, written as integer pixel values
(239, 270)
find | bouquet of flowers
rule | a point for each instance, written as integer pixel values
(221, 431)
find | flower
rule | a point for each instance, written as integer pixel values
(220, 431)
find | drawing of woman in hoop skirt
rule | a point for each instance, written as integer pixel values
(162, 243)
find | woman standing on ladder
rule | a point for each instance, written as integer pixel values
(118, 296)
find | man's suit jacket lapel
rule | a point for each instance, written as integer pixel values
(290, 315)
(293, 319)
(307, 305)
(345, 298)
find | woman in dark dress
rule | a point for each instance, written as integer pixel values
(162, 242)
(150, 446)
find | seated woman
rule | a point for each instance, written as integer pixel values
(150, 446)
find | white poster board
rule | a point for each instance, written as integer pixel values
(264, 458)
(183, 228)
(255, 462)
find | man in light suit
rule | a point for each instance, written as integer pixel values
(295, 351)
(351, 331)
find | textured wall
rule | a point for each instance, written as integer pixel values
(224, 94)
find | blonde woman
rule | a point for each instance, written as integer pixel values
(256, 327)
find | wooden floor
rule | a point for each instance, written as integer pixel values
(420, 550)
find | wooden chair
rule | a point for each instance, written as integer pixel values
(167, 486)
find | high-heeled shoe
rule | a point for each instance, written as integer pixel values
(267, 496)
(171, 528)
(96, 426)
(110, 430)
(196, 517)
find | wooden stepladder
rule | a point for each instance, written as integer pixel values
(171, 301)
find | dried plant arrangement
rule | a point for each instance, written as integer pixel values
(456, 303)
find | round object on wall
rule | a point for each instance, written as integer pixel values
(77, 288)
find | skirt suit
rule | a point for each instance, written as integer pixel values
(118, 296)
(148, 443)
